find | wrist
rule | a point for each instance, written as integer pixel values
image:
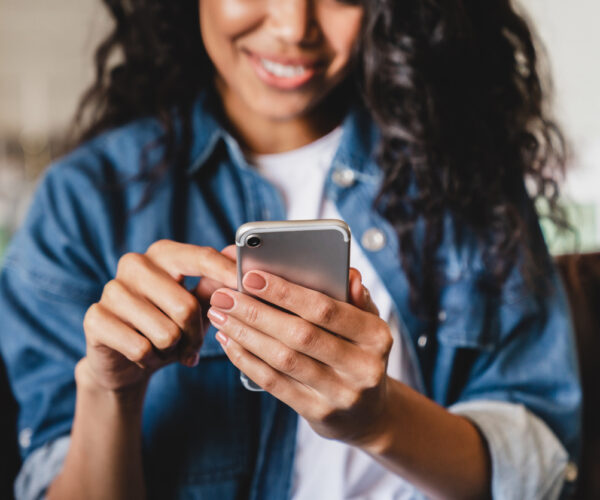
(384, 426)
(130, 398)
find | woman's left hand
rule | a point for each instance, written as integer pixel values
(327, 360)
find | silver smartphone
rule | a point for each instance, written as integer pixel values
(311, 253)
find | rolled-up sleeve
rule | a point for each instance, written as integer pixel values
(51, 275)
(528, 460)
(506, 360)
(40, 469)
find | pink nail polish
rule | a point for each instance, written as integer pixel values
(254, 281)
(216, 316)
(221, 300)
(223, 340)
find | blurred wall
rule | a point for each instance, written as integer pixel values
(46, 51)
(570, 32)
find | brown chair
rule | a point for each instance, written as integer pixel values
(581, 277)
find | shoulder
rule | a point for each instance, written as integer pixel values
(123, 152)
(96, 173)
(79, 204)
(485, 305)
(116, 152)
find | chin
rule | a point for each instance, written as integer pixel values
(282, 111)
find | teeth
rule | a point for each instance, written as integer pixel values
(282, 70)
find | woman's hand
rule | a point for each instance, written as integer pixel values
(327, 360)
(146, 319)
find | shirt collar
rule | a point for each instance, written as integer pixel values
(356, 150)
(359, 141)
(206, 130)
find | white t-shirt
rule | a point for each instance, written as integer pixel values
(328, 469)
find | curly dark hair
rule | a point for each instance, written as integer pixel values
(453, 85)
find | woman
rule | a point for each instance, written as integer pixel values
(416, 122)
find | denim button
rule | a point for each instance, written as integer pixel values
(343, 177)
(25, 437)
(373, 239)
(442, 316)
(571, 472)
(422, 341)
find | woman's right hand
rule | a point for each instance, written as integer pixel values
(146, 319)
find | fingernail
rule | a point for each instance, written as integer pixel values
(254, 281)
(221, 300)
(222, 338)
(192, 360)
(216, 316)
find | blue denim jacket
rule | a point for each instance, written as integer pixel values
(204, 434)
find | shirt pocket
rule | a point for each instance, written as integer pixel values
(464, 317)
(200, 428)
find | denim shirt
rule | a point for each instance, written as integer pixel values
(204, 435)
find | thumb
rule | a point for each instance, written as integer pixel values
(230, 252)
(359, 294)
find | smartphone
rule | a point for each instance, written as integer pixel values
(311, 253)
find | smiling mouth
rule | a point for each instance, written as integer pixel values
(282, 70)
(284, 73)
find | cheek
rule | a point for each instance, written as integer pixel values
(342, 34)
(228, 18)
(222, 22)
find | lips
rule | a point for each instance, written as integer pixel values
(284, 73)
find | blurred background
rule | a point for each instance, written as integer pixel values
(46, 60)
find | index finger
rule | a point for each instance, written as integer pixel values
(335, 316)
(184, 259)
(207, 286)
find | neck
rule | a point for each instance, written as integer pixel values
(263, 135)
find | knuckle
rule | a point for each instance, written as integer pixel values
(208, 252)
(282, 293)
(325, 311)
(130, 261)
(384, 341)
(171, 334)
(372, 375)
(158, 246)
(112, 291)
(236, 357)
(286, 361)
(304, 335)
(242, 334)
(92, 317)
(186, 311)
(269, 382)
(252, 313)
(140, 351)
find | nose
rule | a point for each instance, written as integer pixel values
(293, 21)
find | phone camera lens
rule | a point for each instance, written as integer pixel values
(253, 241)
